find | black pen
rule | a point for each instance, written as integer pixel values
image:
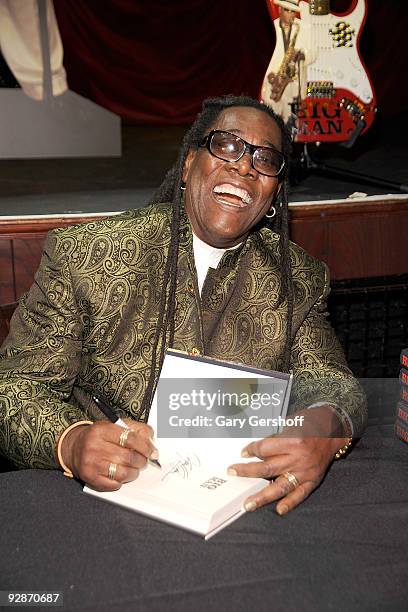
(108, 412)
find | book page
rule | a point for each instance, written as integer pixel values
(215, 451)
(186, 482)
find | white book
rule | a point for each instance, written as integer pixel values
(192, 489)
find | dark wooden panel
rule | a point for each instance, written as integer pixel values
(33, 225)
(311, 234)
(366, 246)
(7, 289)
(27, 255)
(359, 239)
(6, 312)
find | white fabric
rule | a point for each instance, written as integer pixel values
(291, 5)
(20, 44)
(206, 256)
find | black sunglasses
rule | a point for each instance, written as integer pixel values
(230, 147)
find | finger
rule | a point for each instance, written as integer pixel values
(260, 469)
(132, 424)
(120, 473)
(101, 483)
(111, 432)
(138, 438)
(295, 498)
(279, 488)
(275, 445)
(124, 456)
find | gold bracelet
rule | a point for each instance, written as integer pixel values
(343, 450)
(66, 470)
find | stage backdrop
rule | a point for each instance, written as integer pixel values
(154, 62)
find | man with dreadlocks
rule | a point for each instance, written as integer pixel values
(207, 268)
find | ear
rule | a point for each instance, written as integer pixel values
(187, 163)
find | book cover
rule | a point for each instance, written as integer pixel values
(404, 376)
(402, 412)
(404, 394)
(401, 430)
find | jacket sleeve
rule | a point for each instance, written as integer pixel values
(39, 361)
(320, 369)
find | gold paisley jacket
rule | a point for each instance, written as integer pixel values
(87, 326)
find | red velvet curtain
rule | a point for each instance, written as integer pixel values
(154, 61)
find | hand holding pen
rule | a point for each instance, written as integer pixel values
(107, 454)
(109, 413)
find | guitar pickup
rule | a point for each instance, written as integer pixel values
(319, 7)
(320, 89)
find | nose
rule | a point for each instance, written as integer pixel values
(244, 166)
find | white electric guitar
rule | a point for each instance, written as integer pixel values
(316, 79)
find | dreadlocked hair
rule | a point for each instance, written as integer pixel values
(171, 191)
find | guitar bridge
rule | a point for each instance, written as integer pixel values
(320, 89)
(357, 112)
(354, 108)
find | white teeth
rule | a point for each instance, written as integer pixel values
(237, 191)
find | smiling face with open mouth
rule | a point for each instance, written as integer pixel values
(225, 200)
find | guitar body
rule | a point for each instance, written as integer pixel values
(330, 97)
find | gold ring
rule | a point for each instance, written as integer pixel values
(112, 471)
(291, 478)
(123, 437)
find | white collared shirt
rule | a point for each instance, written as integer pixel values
(206, 256)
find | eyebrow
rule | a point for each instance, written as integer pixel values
(266, 143)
